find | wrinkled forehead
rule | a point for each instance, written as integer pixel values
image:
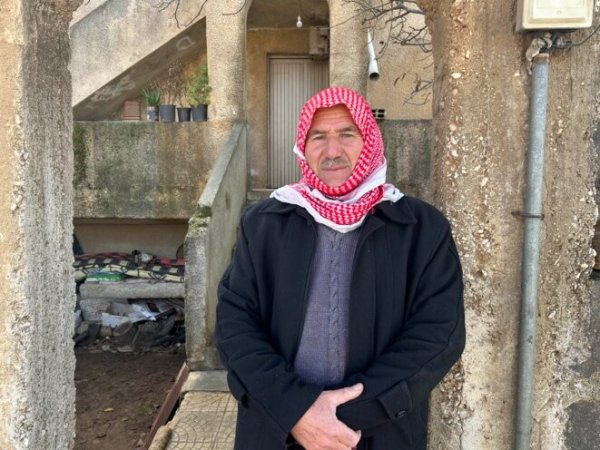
(337, 115)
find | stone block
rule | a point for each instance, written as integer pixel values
(210, 380)
(132, 290)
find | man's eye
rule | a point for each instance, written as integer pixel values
(347, 135)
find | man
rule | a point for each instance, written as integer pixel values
(342, 307)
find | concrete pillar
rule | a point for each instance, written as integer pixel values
(348, 64)
(37, 292)
(481, 102)
(226, 55)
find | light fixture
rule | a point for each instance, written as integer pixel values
(299, 23)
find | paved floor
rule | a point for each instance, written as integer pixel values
(206, 417)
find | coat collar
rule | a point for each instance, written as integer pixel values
(400, 212)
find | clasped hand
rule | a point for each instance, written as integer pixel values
(320, 429)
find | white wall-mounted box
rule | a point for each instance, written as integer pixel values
(554, 14)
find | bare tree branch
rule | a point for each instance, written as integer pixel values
(162, 5)
(392, 20)
(238, 11)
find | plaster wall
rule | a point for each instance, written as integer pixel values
(408, 154)
(37, 296)
(261, 44)
(209, 247)
(481, 102)
(402, 70)
(139, 170)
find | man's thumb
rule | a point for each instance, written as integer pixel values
(349, 393)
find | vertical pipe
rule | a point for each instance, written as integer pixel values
(531, 250)
(373, 67)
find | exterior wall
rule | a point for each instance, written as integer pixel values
(139, 169)
(261, 44)
(37, 292)
(402, 69)
(408, 154)
(481, 103)
(208, 248)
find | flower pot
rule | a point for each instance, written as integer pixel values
(166, 113)
(183, 114)
(152, 113)
(200, 113)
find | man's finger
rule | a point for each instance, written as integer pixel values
(344, 395)
(348, 436)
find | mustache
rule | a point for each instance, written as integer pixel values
(335, 163)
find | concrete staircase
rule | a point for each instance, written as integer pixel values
(112, 59)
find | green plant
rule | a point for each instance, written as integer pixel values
(199, 89)
(152, 97)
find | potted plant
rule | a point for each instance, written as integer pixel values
(183, 112)
(166, 110)
(199, 92)
(152, 98)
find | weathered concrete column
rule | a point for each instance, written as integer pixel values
(481, 101)
(226, 54)
(348, 64)
(37, 292)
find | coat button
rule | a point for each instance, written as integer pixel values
(400, 414)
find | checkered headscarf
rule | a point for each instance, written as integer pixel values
(337, 204)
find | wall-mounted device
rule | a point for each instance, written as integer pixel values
(554, 14)
(318, 42)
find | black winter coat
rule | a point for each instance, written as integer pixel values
(406, 322)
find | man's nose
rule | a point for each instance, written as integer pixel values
(333, 148)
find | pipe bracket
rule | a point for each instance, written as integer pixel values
(523, 215)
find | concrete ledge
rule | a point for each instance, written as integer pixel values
(211, 381)
(132, 290)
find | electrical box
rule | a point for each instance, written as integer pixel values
(318, 43)
(554, 14)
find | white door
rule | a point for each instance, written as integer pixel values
(292, 81)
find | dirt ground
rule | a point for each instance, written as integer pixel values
(119, 395)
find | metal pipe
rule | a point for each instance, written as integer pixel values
(373, 67)
(531, 250)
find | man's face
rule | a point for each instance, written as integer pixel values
(333, 145)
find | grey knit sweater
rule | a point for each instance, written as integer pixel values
(322, 354)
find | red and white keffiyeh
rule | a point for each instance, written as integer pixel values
(342, 208)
